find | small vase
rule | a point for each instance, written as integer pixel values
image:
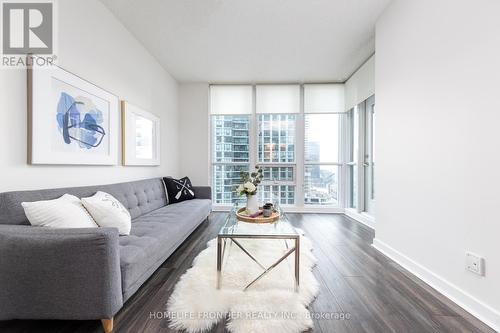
(252, 204)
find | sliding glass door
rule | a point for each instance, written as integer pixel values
(360, 143)
(352, 135)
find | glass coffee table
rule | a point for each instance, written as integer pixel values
(234, 231)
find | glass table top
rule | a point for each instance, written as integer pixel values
(279, 229)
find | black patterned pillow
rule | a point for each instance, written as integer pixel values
(178, 189)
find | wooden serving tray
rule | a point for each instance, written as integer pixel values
(259, 219)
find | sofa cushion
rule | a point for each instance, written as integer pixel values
(108, 212)
(64, 212)
(178, 189)
(154, 237)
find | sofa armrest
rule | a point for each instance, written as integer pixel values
(203, 192)
(48, 273)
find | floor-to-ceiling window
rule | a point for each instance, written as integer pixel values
(323, 115)
(231, 109)
(294, 132)
(277, 107)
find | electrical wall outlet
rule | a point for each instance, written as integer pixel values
(474, 263)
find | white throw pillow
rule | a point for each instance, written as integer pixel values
(64, 212)
(107, 211)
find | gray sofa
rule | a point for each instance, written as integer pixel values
(89, 273)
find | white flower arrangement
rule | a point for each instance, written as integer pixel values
(249, 181)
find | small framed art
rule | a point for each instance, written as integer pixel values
(140, 136)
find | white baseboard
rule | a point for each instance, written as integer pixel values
(361, 217)
(478, 309)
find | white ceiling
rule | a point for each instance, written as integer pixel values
(254, 40)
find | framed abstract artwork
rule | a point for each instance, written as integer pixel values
(140, 136)
(70, 120)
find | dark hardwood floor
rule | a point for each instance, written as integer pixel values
(374, 292)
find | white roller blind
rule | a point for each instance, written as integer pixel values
(231, 99)
(278, 98)
(324, 98)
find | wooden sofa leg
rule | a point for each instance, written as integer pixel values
(107, 324)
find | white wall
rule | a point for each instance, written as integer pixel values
(438, 147)
(95, 46)
(194, 132)
(361, 84)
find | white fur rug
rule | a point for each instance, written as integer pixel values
(270, 305)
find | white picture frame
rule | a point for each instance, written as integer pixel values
(140, 136)
(70, 120)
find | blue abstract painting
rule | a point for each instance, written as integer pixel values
(79, 121)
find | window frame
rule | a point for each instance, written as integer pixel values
(339, 163)
(277, 164)
(212, 150)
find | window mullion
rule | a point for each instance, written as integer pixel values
(299, 152)
(253, 158)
